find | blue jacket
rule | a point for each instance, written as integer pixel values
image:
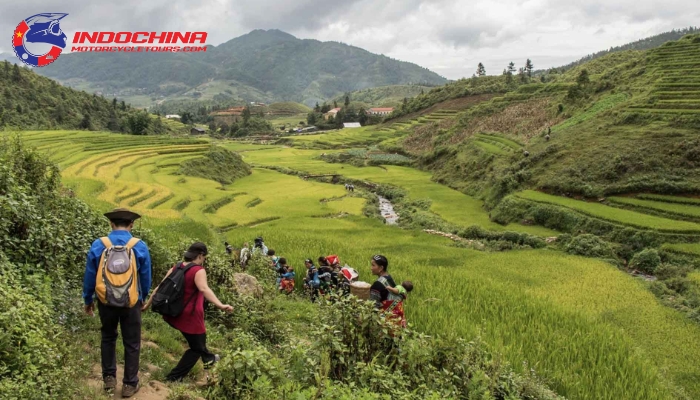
(143, 265)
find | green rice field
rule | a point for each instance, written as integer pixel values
(588, 329)
(612, 214)
(683, 210)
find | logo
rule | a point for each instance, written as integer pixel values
(40, 32)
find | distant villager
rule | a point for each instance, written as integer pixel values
(526, 153)
(546, 138)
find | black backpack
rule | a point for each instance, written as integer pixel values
(169, 298)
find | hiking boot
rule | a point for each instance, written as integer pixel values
(129, 390)
(209, 364)
(110, 382)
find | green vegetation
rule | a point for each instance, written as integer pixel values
(688, 248)
(642, 44)
(682, 210)
(520, 306)
(383, 96)
(612, 214)
(218, 164)
(669, 199)
(31, 101)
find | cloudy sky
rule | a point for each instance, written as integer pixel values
(449, 37)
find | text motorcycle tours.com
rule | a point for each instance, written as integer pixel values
(139, 42)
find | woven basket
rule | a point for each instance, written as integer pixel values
(360, 289)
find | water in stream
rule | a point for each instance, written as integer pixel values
(387, 211)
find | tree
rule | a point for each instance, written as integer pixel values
(138, 123)
(186, 118)
(325, 108)
(335, 104)
(529, 67)
(362, 119)
(511, 68)
(86, 123)
(114, 103)
(521, 74)
(113, 123)
(421, 92)
(246, 115)
(7, 69)
(480, 70)
(338, 121)
(123, 106)
(16, 74)
(404, 104)
(317, 108)
(157, 127)
(583, 78)
(311, 118)
(347, 100)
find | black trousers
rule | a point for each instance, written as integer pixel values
(198, 348)
(130, 321)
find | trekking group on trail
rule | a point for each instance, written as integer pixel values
(118, 273)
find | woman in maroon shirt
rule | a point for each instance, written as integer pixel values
(191, 321)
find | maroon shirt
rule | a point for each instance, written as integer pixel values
(192, 318)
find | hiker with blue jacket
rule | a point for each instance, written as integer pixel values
(118, 272)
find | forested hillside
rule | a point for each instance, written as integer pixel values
(31, 101)
(263, 62)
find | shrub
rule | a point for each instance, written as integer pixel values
(590, 246)
(646, 261)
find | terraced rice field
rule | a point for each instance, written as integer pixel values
(670, 199)
(368, 135)
(682, 210)
(686, 248)
(590, 330)
(496, 144)
(612, 214)
(677, 88)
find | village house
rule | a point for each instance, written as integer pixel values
(331, 113)
(351, 125)
(172, 116)
(197, 131)
(380, 111)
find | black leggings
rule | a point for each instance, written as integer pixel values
(198, 348)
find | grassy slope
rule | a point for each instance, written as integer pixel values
(621, 108)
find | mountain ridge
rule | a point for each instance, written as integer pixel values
(275, 63)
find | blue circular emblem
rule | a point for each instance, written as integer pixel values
(40, 28)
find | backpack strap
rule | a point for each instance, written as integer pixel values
(132, 242)
(106, 242)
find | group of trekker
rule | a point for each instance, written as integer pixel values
(118, 273)
(329, 276)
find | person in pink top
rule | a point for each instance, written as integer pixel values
(191, 321)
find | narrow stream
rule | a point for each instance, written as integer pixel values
(387, 211)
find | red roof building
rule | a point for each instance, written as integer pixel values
(380, 111)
